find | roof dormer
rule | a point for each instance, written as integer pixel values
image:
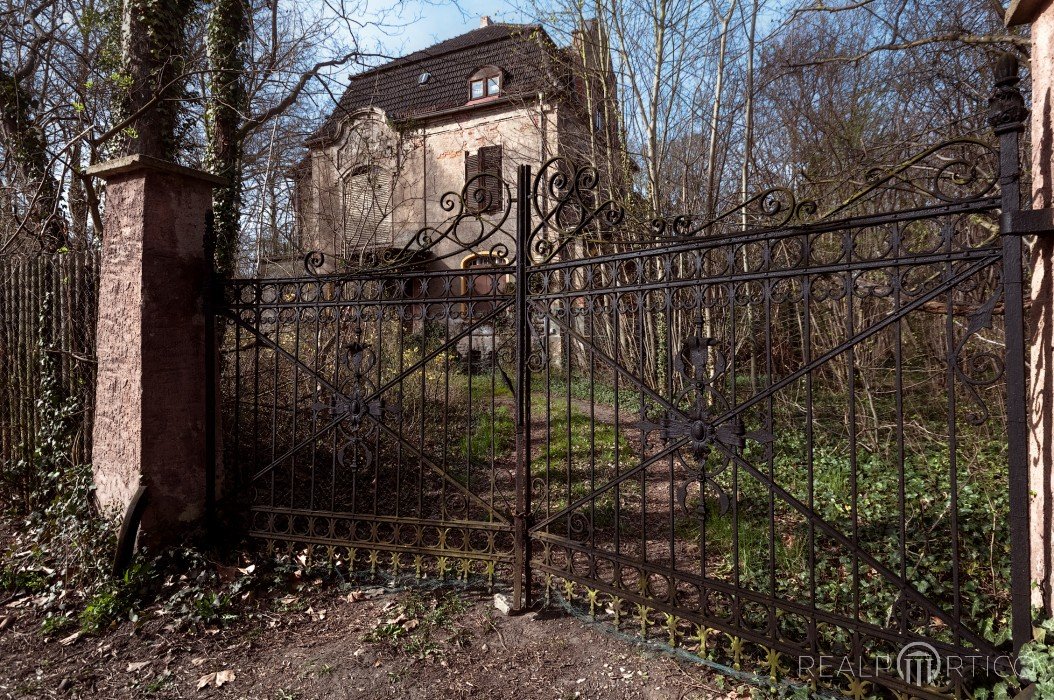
(485, 83)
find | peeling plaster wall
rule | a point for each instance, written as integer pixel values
(429, 162)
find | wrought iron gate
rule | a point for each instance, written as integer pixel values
(344, 425)
(789, 437)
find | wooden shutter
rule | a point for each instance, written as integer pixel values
(490, 163)
(367, 206)
(472, 188)
(485, 194)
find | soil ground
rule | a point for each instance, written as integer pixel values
(349, 643)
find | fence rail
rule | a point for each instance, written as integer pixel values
(70, 281)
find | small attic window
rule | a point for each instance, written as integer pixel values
(424, 78)
(485, 82)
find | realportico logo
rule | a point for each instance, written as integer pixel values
(918, 663)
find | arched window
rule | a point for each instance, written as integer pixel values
(481, 283)
(485, 82)
(367, 209)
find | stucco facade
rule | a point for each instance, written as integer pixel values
(427, 167)
(393, 162)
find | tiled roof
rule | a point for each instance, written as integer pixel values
(523, 51)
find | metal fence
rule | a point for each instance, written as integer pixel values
(47, 302)
(788, 437)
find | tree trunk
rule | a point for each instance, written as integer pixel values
(25, 141)
(153, 50)
(228, 36)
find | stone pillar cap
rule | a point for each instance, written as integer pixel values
(1023, 11)
(132, 163)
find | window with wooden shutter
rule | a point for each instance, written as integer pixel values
(484, 193)
(367, 209)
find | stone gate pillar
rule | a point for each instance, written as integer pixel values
(150, 390)
(1040, 315)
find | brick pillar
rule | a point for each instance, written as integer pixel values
(1040, 318)
(150, 391)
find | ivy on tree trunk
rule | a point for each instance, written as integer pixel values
(25, 141)
(228, 36)
(152, 83)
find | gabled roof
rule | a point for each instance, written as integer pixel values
(524, 52)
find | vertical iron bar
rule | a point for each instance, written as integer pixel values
(522, 598)
(899, 249)
(236, 433)
(1006, 115)
(953, 439)
(209, 307)
(854, 465)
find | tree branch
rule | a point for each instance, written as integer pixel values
(1019, 42)
(286, 102)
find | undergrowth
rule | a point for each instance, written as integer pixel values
(57, 547)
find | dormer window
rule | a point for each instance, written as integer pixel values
(486, 82)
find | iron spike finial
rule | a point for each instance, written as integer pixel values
(1006, 106)
(1006, 68)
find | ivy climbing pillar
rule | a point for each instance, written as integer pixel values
(150, 409)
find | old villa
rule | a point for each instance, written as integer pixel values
(407, 132)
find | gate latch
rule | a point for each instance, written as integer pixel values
(1031, 222)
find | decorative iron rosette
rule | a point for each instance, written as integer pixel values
(695, 418)
(357, 407)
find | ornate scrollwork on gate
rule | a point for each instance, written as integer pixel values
(978, 369)
(569, 204)
(573, 204)
(957, 171)
(474, 223)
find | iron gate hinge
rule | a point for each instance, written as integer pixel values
(1031, 222)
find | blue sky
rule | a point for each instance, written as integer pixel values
(410, 25)
(424, 22)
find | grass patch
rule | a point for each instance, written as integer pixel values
(595, 390)
(421, 625)
(574, 442)
(492, 435)
(577, 456)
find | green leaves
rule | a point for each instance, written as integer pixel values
(1036, 661)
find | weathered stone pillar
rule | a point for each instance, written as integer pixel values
(150, 392)
(1040, 318)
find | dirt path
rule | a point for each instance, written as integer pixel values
(356, 643)
(600, 412)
